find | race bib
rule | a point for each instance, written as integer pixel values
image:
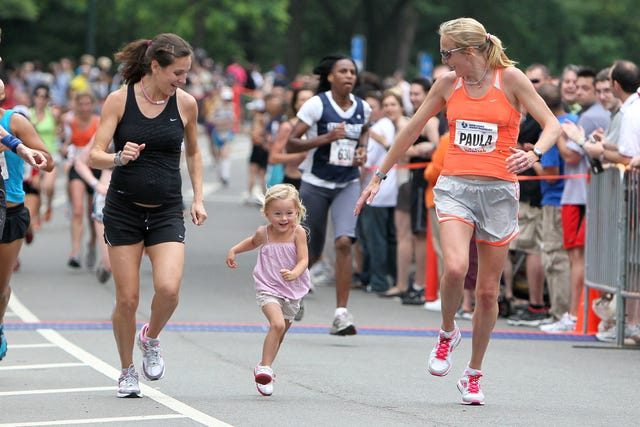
(3, 166)
(342, 152)
(476, 137)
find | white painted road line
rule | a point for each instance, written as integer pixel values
(54, 391)
(21, 311)
(41, 366)
(109, 371)
(95, 420)
(30, 346)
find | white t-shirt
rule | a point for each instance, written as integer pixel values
(388, 194)
(629, 141)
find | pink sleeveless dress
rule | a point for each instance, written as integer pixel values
(273, 257)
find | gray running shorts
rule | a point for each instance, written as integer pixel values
(490, 207)
(322, 202)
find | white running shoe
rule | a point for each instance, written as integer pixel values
(264, 378)
(440, 357)
(433, 305)
(469, 386)
(567, 323)
(465, 315)
(610, 335)
(343, 325)
(152, 361)
(128, 383)
(322, 274)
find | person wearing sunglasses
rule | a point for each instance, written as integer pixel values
(477, 192)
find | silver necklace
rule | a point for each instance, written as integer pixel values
(484, 75)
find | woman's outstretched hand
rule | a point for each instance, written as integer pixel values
(367, 194)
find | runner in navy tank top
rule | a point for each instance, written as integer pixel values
(336, 134)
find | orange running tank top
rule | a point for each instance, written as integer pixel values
(81, 137)
(482, 130)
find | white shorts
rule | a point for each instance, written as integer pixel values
(489, 207)
(290, 307)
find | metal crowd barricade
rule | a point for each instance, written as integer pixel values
(612, 247)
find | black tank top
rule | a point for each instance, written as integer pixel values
(154, 178)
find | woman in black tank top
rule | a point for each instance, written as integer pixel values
(148, 121)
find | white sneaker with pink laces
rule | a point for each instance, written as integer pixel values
(469, 386)
(440, 357)
(152, 361)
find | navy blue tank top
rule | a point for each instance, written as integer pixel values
(154, 178)
(330, 118)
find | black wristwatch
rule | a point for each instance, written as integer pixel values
(538, 152)
(380, 175)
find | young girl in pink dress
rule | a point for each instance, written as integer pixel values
(281, 275)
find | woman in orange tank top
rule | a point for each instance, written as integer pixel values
(477, 192)
(82, 127)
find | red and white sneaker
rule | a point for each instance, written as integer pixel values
(469, 386)
(264, 377)
(440, 357)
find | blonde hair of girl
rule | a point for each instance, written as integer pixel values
(284, 192)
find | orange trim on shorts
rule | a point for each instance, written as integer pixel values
(448, 217)
(505, 241)
(502, 242)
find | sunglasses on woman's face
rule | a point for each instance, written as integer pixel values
(446, 54)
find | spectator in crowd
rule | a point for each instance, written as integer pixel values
(555, 259)
(620, 146)
(360, 272)
(574, 196)
(376, 229)
(568, 88)
(622, 142)
(529, 241)
(419, 153)
(538, 74)
(62, 75)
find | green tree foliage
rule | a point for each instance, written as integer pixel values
(19, 9)
(300, 32)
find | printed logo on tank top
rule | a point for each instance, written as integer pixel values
(476, 137)
(343, 150)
